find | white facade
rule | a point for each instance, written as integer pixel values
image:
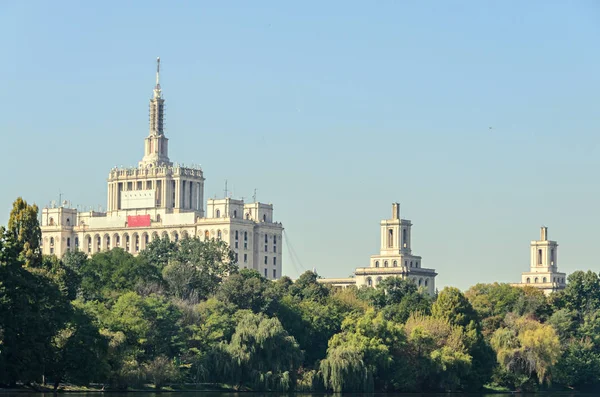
(158, 199)
(543, 269)
(395, 259)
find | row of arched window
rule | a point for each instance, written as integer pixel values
(421, 282)
(536, 280)
(395, 264)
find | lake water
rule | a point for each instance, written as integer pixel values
(263, 394)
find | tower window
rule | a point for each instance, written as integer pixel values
(376, 263)
(274, 273)
(68, 222)
(264, 218)
(245, 258)
(68, 241)
(265, 273)
(218, 213)
(266, 260)
(552, 256)
(391, 238)
(266, 238)
(528, 280)
(218, 235)
(234, 213)
(385, 264)
(404, 238)
(539, 257)
(236, 234)
(395, 263)
(274, 261)
(274, 239)
(544, 280)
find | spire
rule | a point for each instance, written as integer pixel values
(156, 146)
(157, 91)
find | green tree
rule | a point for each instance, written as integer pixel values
(261, 354)
(24, 230)
(452, 305)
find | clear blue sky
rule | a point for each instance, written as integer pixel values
(332, 110)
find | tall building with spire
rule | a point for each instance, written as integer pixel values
(159, 198)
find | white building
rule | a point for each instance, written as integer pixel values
(161, 199)
(395, 259)
(543, 272)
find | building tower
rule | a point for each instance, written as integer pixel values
(156, 148)
(156, 183)
(543, 272)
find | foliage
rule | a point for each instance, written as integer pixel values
(183, 312)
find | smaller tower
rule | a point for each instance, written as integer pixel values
(543, 265)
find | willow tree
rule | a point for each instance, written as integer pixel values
(261, 354)
(527, 347)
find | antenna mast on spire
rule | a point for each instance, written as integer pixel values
(158, 72)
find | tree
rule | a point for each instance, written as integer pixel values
(24, 230)
(79, 352)
(246, 290)
(307, 287)
(527, 347)
(452, 305)
(261, 354)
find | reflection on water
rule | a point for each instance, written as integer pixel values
(263, 394)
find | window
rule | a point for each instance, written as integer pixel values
(218, 213)
(51, 222)
(266, 248)
(118, 240)
(385, 264)
(137, 243)
(274, 248)
(426, 282)
(552, 256)
(265, 272)
(236, 244)
(535, 280)
(175, 237)
(76, 242)
(404, 238)
(127, 243)
(89, 245)
(405, 263)
(247, 216)
(234, 213)
(68, 241)
(206, 235)
(391, 238)
(98, 243)
(245, 236)
(236, 257)
(539, 257)
(266, 260)
(528, 280)
(266, 238)
(146, 239)
(420, 281)
(274, 273)
(395, 263)
(157, 217)
(51, 241)
(139, 185)
(108, 242)
(376, 263)
(68, 222)
(369, 282)
(544, 280)
(411, 264)
(236, 235)
(245, 258)
(218, 235)
(264, 218)
(274, 261)
(275, 239)
(417, 264)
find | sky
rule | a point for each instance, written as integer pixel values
(480, 118)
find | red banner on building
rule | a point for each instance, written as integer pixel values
(138, 221)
